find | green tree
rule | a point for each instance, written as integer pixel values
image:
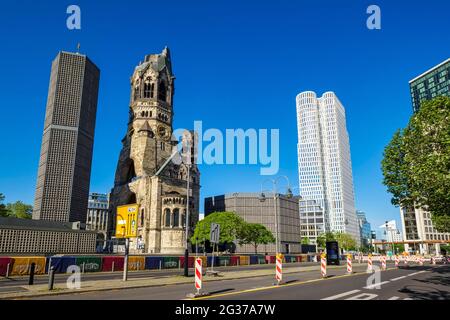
(305, 241)
(230, 227)
(255, 234)
(416, 162)
(3, 210)
(20, 210)
(324, 237)
(345, 241)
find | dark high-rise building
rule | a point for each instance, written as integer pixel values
(62, 189)
(431, 84)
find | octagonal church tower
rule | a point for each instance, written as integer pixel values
(144, 176)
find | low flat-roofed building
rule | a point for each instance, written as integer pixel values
(252, 209)
(44, 237)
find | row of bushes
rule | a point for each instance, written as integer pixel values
(21, 265)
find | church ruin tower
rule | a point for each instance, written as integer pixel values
(148, 144)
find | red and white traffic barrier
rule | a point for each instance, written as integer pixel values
(323, 266)
(349, 264)
(383, 263)
(396, 261)
(369, 263)
(198, 274)
(279, 270)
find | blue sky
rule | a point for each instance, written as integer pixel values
(239, 64)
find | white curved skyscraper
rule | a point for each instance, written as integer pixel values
(324, 166)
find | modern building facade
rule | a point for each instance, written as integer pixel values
(98, 214)
(256, 209)
(44, 237)
(324, 163)
(417, 225)
(62, 188)
(312, 221)
(145, 174)
(419, 232)
(430, 84)
(364, 228)
(390, 232)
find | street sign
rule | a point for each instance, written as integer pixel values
(126, 226)
(214, 235)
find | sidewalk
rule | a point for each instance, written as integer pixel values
(102, 285)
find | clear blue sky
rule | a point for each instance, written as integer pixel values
(239, 64)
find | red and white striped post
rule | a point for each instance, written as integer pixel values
(433, 260)
(323, 265)
(279, 268)
(369, 263)
(405, 260)
(396, 261)
(198, 274)
(383, 262)
(349, 263)
(421, 260)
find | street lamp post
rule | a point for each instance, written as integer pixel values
(275, 200)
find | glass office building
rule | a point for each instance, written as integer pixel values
(431, 84)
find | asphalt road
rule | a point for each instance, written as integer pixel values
(62, 278)
(413, 283)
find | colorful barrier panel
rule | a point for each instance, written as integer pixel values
(136, 263)
(171, 262)
(4, 265)
(90, 264)
(290, 259)
(244, 260)
(191, 262)
(270, 259)
(107, 263)
(298, 259)
(223, 261)
(153, 262)
(21, 265)
(234, 260)
(209, 261)
(59, 264)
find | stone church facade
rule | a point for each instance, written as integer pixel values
(145, 174)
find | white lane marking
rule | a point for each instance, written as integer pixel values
(395, 279)
(413, 274)
(394, 298)
(407, 299)
(376, 285)
(341, 295)
(364, 296)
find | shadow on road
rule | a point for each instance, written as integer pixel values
(425, 293)
(221, 291)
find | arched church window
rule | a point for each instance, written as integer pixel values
(136, 92)
(183, 218)
(176, 217)
(148, 89)
(162, 91)
(167, 218)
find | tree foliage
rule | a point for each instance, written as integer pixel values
(255, 234)
(19, 210)
(416, 163)
(324, 237)
(345, 241)
(230, 227)
(3, 211)
(305, 241)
